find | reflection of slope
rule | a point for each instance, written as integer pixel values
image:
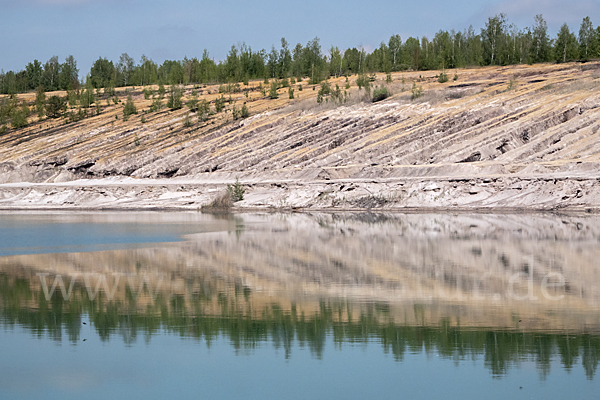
(420, 268)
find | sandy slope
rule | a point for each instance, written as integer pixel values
(470, 143)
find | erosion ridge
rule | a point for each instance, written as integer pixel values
(497, 137)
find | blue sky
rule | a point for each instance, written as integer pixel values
(88, 29)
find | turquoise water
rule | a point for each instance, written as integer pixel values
(41, 233)
(174, 367)
(272, 306)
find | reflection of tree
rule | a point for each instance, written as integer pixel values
(187, 316)
(589, 358)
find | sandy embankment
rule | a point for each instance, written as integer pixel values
(469, 144)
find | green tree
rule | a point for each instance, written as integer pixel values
(69, 74)
(236, 191)
(492, 37)
(55, 106)
(335, 61)
(192, 103)
(411, 57)
(244, 112)
(125, 69)
(395, 48)
(129, 108)
(540, 46)
(314, 64)
(18, 118)
(284, 60)
(51, 75)
(40, 102)
(566, 45)
(203, 110)
(102, 73)
(34, 72)
(174, 101)
(220, 103)
(587, 39)
(157, 103)
(273, 92)
(146, 73)
(87, 97)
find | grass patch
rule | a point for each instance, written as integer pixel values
(221, 202)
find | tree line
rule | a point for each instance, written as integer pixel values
(498, 43)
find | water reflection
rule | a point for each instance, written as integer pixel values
(507, 288)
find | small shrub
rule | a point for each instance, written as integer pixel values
(416, 91)
(187, 122)
(55, 107)
(236, 191)
(192, 103)
(291, 93)
(18, 119)
(40, 102)
(109, 91)
(443, 77)
(157, 104)
(380, 93)
(203, 110)
(129, 108)
(324, 91)
(220, 103)
(388, 77)
(244, 112)
(174, 102)
(455, 77)
(513, 83)
(72, 98)
(363, 82)
(273, 92)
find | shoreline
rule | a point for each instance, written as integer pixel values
(492, 194)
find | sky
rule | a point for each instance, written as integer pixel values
(89, 29)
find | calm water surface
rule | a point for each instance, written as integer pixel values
(159, 305)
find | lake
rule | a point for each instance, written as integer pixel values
(299, 305)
